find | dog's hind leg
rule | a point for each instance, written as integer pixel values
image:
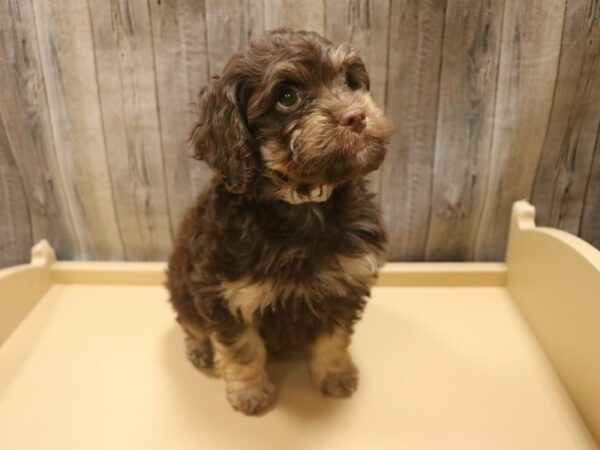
(198, 347)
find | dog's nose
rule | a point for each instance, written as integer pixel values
(354, 119)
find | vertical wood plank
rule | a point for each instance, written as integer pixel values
(254, 19)
(67, 55)
(464, 126)
(493, 101)
(531, 40)
(563, 172)
(23, 102)
(127, 90)
(366, 24)
(181, 62)
(590, 219)
(308, 16)
(16, 235)
(230, 24)
(416, 30)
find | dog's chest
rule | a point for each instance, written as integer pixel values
(311, 261)
(347, 277)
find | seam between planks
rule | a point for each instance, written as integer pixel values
(476, 238)
(81, 249)
(109, 172)
(11, 154)
(558, 65)
(435, 133)
(595, 156)
(385, 95)
(159, 123)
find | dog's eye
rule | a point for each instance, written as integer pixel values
(356, 77)
(352, 82)
(288, 101)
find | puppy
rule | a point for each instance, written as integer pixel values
(282, 249)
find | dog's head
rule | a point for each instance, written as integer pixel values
(292, 107)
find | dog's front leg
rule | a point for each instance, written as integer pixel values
(331, 367)
(241, 362)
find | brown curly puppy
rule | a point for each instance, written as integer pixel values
(283, 248)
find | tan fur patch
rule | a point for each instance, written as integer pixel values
(242, 365)
(363, 268)
(334, 282)
(233, 362)
(193, 330)
(329, 356)
(328, 345)
(354, 270)
(318, 195)
(245, 297)
(274, 157)
(340, 55)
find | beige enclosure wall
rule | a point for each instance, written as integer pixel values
(494, 100)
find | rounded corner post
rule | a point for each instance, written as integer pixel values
(523, 215)
(42, 254)
(522, 218)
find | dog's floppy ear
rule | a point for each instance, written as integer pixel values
(221, 137)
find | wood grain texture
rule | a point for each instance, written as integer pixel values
(67, 55)
(127, 88)
(181, 63)
(24, 107)
(493, 101)
(563, 173)
(230, 25)
(590, 219)
(16, 234)
(415, 48)
(365, 24)
(464, 126)
(530, 50)
(305, 15)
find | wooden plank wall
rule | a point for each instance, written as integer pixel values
(493, 101)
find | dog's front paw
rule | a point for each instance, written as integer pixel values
(252, 400)
(200, 352)
(340, 383)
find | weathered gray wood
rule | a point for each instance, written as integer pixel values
(590, 219)
(493, 101)
(230, 25)
(181, 62)
(412, 98)
(295, 14)
(530, 49)
(67, 55)
(23, 104)
(366, 24)
(464, 126)
(127, 89)
(563, 173)
(16, 234)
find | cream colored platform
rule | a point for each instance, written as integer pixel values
(447, 361)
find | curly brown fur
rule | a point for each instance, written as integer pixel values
(255, 272)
